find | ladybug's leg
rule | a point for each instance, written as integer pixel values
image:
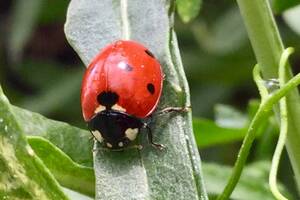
(139, 147)
(173, 109)
(150, 138)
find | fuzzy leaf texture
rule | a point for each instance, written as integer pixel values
(174, 173)
(22, 173)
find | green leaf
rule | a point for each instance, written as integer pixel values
(171, 174)
(24, 18)
(188, 9)
(268, 47)
(23, 175)
(211, 38)
(291, 17)
(207, 133)
(227, 116)
(231, 126)
(72, 141)
(71, 144)
(279, 6)
(66, 172)
(252, 185)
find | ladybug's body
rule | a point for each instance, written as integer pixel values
(121, 86)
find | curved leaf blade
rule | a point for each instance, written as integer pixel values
(23, 175)
(208, 133)
(68, 173)
(253, 183)
(291, 17)
(72, 141)
(64, 149)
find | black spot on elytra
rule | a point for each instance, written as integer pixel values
(107, 99)
(128, 68)
(151, 88)
(149, 53)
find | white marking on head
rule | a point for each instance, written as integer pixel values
(99, 109)
(121, 144)
(118, 108)
(131, 133)
(109, 145)
(97, 135)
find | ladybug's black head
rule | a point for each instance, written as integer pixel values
(115, 129)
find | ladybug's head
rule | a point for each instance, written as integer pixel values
(115, 129)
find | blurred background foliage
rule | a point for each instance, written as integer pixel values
(40, 72)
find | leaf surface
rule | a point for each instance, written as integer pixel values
(23, 175)
(252, 185)
(174, 173)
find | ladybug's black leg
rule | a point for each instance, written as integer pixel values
(139, 147)
(150, 138)
(173, 109)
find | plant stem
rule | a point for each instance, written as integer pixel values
(283, 129)
(268, 47)
(263, 111)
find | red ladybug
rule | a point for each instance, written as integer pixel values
(121, 87)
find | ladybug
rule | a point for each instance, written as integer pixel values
(120, 90)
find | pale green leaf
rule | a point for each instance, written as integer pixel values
(171, 174)
(208, 133)
(252, 185)
(68, 173)
(227, 116)
(23, 175)
(72, 141)
(291, 17)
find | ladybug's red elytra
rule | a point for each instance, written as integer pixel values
(121, 87)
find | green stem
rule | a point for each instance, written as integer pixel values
(283, 128)
(260, 83)
(263, 111)
(263, 34)
(268, 47)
